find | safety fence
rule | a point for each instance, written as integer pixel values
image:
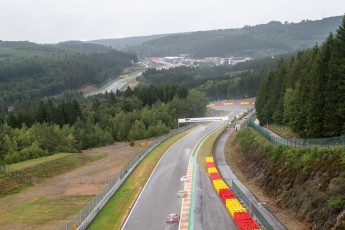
(298, 143)
(90, 211)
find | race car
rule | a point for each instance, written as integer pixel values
(173, 217)
(182, 194)
(184, 178)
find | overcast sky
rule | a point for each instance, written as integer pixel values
(52, 21)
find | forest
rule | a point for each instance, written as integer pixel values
(271, 39)
(29, 71)
(218, 82)
(307, 92)
(69, 125)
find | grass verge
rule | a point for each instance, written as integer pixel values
(116, 210)
(41, 168)
(34, 162)
(207, 148)
(41, 211)
(283, 131)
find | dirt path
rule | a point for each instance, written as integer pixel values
(86, 180)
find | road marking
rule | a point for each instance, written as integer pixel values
(184, 217)
(194, 162)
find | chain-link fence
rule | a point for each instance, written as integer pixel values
(299, 143)
(85, 217)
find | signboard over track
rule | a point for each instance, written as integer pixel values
(202, 119)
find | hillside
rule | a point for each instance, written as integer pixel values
(30, 71)
(124, 43)
(257, 41)
(307, 183)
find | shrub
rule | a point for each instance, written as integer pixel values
(337, 203)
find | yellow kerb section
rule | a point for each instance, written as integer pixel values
(209, 159)
(212, 170)
(233, 205)
(219, 184)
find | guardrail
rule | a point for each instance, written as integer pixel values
(251, 203)
(90, 211)
(253, 209)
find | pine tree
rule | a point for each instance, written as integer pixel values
(315, 101)
(339, 63)
(335, 94)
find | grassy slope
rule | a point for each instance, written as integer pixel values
(44, 210)
(42, 168)
(309, 182)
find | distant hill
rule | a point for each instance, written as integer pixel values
(30, 71)
(262, 40)
(124, 43)
(79, 46)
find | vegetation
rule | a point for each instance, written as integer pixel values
(309, 181)
(264, 40)
(207, 147)
(41, 168)
(39, 211)
(219, 82)
(307, 93)
(58, 125)
(29, 72)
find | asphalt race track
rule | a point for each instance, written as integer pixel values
(159, 196)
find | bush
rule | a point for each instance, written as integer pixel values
(337, 203)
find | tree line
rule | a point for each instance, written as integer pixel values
(307, 93)
(70, 125)
(218, 82)
(271, 39)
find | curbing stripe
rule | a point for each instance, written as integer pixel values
(185, 209)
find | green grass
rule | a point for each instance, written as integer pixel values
(116, 210)
(58, 166)
(207, 148)
(41, 160)
(282, 131)
(97, 155)
(8, 185)
(42, 168)
(45, 210)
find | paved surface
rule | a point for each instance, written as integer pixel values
(210, 212)
(229, 177)
(186, 202)
(158, 197)
(117, 84)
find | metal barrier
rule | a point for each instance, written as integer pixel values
(90, 211)
(252, 207)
